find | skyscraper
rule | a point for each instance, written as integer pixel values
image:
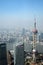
(3, 54)
(19, 55)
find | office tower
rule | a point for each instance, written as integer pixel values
(19, 54)
(41, 37)
(3, 54)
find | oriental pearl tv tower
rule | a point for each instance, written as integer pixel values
(34, 42)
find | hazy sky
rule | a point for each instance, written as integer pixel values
(21, 13)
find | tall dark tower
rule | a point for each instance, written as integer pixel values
(3, 54)
(34, 41)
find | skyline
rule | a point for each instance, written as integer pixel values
(21, 13)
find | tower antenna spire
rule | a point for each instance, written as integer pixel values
(35, 23)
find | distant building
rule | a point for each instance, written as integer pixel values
(19, 55)
(23, 31)
(31, 38)
(41, 37)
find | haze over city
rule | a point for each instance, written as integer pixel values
(21, 13)
(21, 32)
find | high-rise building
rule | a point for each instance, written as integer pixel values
(19, 54)
(3, 54)
(41, 37)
